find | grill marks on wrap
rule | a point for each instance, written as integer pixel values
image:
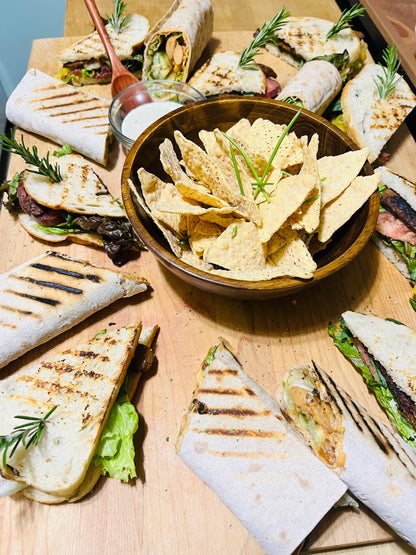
(240, 417)
(45, 284)
(365, 423)
(89, 112)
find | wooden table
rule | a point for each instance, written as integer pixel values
(169, 510)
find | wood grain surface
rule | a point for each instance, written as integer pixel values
(169, 510)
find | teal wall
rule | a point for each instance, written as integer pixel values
(22, 21)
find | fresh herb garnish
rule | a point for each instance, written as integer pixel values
(44, 167)
(27, 434)
(266, 34)
(357, 10)
(117, 20)
(234, 231)
(260, 181)
(390, 79)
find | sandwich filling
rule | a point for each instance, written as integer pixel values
(309, 406)
(396, 225)
(168, 55)
(398, 404)
(77, 206)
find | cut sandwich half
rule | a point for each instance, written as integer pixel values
(236, 440)
(376, 465)
(302, 39)
(384, 351)
(86, 63)
(51, 293)
(75, 205)
(222, 74)
(395, 233)
(83, 386)
(371, 120)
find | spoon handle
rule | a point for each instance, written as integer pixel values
(99, 25)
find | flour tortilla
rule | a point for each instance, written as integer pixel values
(316, 84)
(221, 74)
(125, 43)
(64, 114)
(93, 474)
(80, 191)
(194, 20)
(379, 469)
(239, 444)
(306, 39)
(82, 383)
(51, 293)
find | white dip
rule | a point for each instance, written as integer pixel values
(136, 121)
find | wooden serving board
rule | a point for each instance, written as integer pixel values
(169, 510)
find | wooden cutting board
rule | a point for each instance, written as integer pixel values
(169, 509)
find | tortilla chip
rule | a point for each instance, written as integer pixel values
(173, 241)
(337, 172)
(339, 211)
(238, 248)
(285, 200)
(294, 259)
(152, 189)
(309, 215)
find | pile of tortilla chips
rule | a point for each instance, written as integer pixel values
(215, 218)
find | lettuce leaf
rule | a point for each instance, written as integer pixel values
(385, 396)
(115, 450)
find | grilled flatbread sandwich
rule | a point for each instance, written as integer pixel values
(302, 39)
(236, 440)
(395, 233)
(71, 202)
(222, 74)
(376, 465)
(176, 42)
(81, 398)
(64, 114)
(369, 118)
(86, 63)
(384, 352)
(51, 293)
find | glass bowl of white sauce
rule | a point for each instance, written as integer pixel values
(129, 121)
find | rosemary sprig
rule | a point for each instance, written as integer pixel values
(260, 183)
(357, 10)
(27, 434)
(389, 80)
(44, 166)
(117, 20)
(266, 34)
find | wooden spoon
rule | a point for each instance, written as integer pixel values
(121, 77)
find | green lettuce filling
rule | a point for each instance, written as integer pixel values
(115, 450)
(385, 396)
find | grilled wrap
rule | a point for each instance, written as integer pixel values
(376, 465)
(314, 87)
(176, 42)
(86, 63)
(84, 384)
(384, 351)
(64, 114)
(236, 440)
(77, 206)
(51, 293)
(395, 233)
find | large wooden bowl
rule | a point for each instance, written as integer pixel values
(223, 113)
